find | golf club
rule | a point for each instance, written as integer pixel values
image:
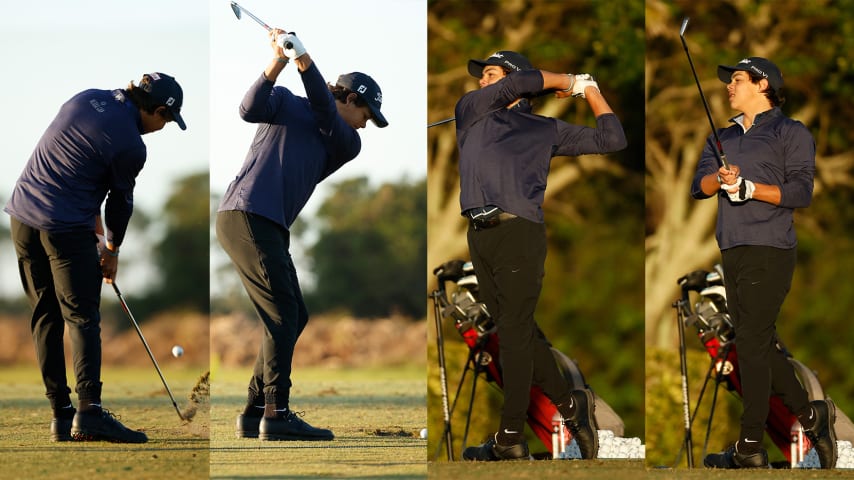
(441, 122)
(237, 9)
(683, 363)
(529, 97)
(147, 349)
(720, 151)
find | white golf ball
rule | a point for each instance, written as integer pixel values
(423, 433)
(177, 351)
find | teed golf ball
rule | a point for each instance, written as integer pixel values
(423, 433)
(177, 351)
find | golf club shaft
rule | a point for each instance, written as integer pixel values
(145, 344)
(247, 12)
(720, 151)
(441, 122)
(237, 9)
(448, 120)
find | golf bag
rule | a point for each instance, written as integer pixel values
(712, 321)
(477, 329)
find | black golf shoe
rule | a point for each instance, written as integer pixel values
(289, 426)
(101, 424)
(583, 423)
(491, 451)
(60, 429)
(822, 434)
(730, 458)
(247, 426)
(60, 424)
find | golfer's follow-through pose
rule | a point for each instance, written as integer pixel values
(772, 164)
(93, 150)
(299, 142)
(505, 152)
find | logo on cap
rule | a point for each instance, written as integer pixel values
(362, 89)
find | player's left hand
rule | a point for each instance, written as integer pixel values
(291, 45)
(741, 191)
(582, 81)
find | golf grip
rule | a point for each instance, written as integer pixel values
(145, 344)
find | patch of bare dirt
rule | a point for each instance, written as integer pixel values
(327, 341)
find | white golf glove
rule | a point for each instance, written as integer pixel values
(742, 190)
(291, 45)
(582, 81)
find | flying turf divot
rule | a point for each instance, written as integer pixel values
(610, 446)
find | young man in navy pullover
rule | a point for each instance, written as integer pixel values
(299, 142)
(771, 168)
(505, 152)
(91, 151)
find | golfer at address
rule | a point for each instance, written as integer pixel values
(505, 152)
(92, 150)
(299, 142)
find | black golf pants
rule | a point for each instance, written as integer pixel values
(757, 280)
(509, 260)
(258, 247)
(61, 275)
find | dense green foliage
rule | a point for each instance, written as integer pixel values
(371, 250)
(183, 271)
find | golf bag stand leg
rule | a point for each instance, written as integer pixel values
(476, 369)
(679, 305)
(720, 359)
(443, 377)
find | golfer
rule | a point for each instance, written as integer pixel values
(93, 150)
(505, 151)
(772, 164)
(299, 142)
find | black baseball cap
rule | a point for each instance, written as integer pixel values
(366, 88)
(513, 61)
(164, 90)
(758, 65)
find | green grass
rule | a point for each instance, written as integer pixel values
(538, 469)
(376, 415)
(136, 396)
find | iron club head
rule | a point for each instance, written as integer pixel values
(236, 9)
(681, 30)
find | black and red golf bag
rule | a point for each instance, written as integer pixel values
(477, 329)
(711, 319)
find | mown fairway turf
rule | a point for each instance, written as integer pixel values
(375, 414)
(175, 449)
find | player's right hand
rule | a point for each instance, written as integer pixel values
(582, 81)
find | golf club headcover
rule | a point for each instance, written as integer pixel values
(291, 45)
(582, 81)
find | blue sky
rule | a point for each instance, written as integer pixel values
(53, 49)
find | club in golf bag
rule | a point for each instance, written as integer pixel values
(237, 9)
(147, 349)
(711, 319)
(474, 323)
(720, 150)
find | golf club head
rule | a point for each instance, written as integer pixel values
(681, 30)
(236, 9)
